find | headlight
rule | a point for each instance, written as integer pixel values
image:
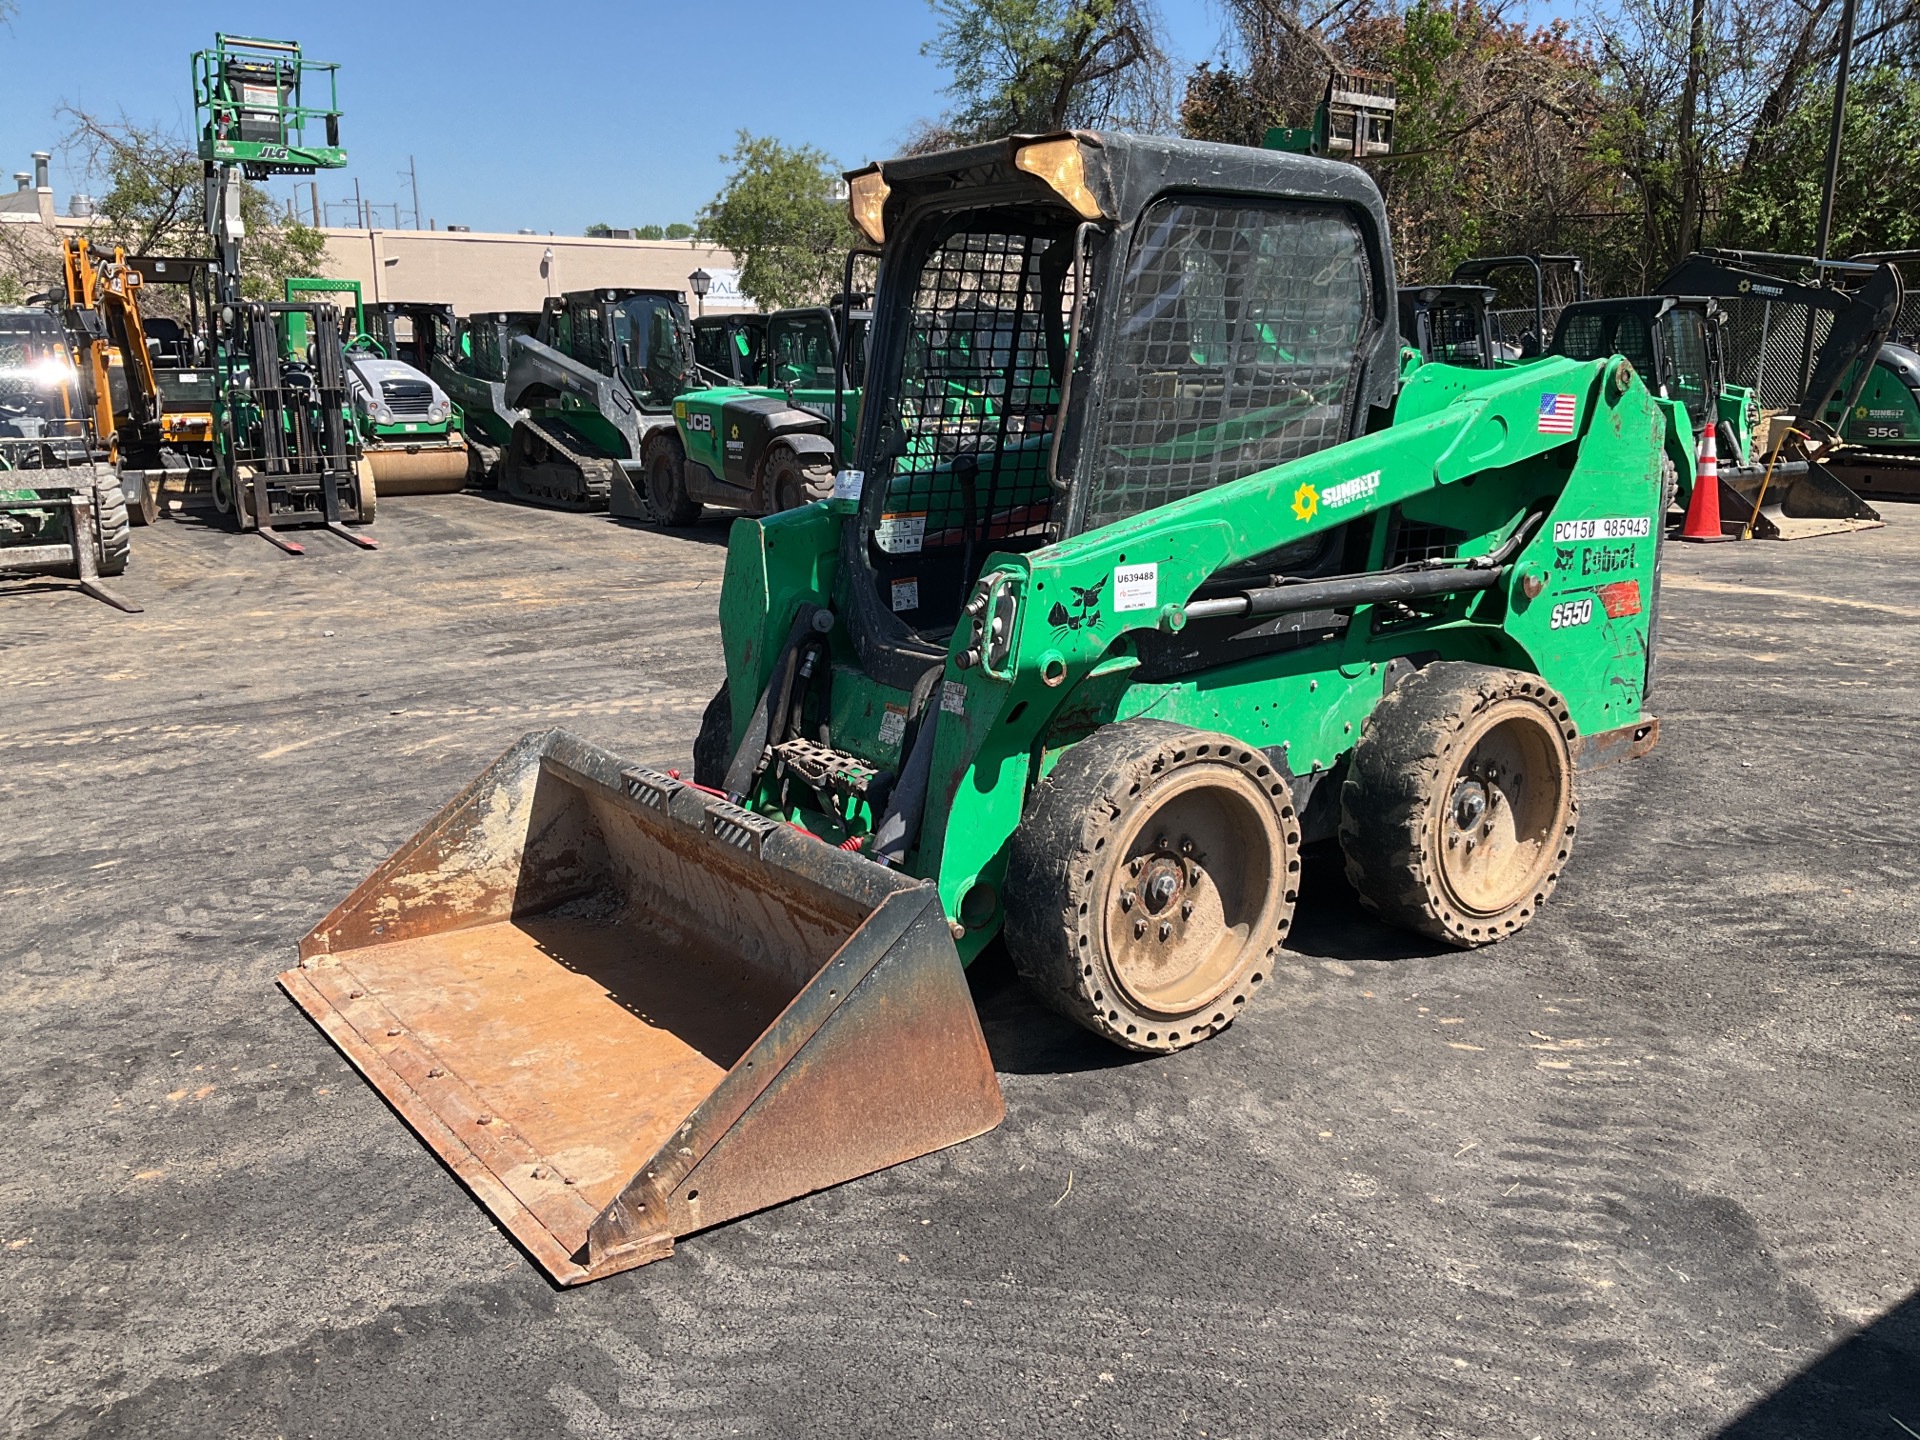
(382, 415)
(437, 412)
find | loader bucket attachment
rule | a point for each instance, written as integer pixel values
(1803, 499)
(623, 1010)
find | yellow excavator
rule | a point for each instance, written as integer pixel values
(148, 387)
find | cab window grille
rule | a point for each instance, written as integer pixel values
(1237, 347)
(965, 450)
(1595, 336)
(1412, 541)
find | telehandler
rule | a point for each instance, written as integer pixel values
(767, 446)
(1081, 666)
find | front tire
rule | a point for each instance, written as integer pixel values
(1152, 882)
(793, 482)
(1458, 812)
(111, 526)
(667, 485)
(713, 746)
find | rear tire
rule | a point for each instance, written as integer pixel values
(666, 476)
(793, 482)
(1152, 881)
(115, 538)
(1458, 812)
(713, 746)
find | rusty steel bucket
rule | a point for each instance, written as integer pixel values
(622, 1009)
(1801, 500)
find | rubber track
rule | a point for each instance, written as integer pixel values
(590, 493)
(1393, 784)
(1052, 916)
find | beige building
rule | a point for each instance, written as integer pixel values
(516, 272)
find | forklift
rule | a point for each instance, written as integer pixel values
(286, 453)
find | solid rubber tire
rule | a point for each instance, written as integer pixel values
(793, 482)
(114, 532)
(1397, 784)
(713, 746)
(1061, 868)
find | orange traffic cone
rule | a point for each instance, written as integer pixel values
(1703, 510)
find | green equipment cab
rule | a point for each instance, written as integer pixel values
(416, 332)
(771, 447)
(1082, 662)
(594, 382)
(730, 349)
(473, 370)
(1529, 292)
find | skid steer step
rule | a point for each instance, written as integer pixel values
(622, 1010)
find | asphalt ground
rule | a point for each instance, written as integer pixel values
(1645, 1170)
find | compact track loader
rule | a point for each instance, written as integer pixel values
(473, 370)
(1087, 645)
(594, 384)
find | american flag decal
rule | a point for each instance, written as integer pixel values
(1556, 415)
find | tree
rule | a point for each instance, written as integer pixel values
(780, 215)
(1025, 66)
(1490, 133)
(650, 232)
(153, 204)
(1773, 202)
(680, 230)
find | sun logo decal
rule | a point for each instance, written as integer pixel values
(1306, 501)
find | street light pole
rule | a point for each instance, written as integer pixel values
(702, 282)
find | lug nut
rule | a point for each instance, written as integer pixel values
(1186, 909)
(1139, 929)
(1166, 928)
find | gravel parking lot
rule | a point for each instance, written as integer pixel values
(1646, 1170)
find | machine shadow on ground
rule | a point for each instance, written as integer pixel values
(1867, 1386)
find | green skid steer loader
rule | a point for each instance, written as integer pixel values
(1082, 665)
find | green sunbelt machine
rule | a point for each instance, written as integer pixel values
(1158, 578)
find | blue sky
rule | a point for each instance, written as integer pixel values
(549, 116)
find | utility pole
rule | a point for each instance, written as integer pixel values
(359, 207)
(413, 176)
(313, 188)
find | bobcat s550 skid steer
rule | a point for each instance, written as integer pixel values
(1087, 645)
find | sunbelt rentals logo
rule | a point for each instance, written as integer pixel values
(1306, 501)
